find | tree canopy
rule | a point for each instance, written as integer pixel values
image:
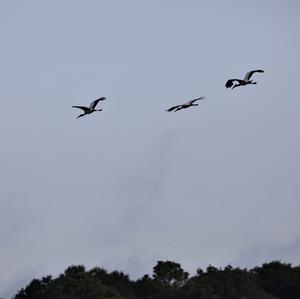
(274, 280)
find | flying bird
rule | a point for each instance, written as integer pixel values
(91, 108)
(245, 81)
(185, 105)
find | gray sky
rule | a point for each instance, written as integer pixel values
(122, 188)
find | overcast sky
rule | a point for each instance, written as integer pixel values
(133, 184)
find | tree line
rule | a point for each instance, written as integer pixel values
(274, 280)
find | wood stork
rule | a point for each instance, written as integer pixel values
(91, 108)
(243, 82)
(185, 105)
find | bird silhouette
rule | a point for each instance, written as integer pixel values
(242, 82)
(91, 108)
(185, 105)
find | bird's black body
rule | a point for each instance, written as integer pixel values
(185, 105)
(91, 108)
(242, 82)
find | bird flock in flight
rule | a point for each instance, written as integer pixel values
(233, 83)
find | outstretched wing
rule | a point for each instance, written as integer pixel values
(192, 101)
(230, 82)
(94, 103)
(85, 109)
(249, 74)
(173, 108)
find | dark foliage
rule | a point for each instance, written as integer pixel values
(279, 279)
(273, 280)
